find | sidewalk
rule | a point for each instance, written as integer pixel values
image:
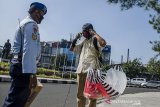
(147, 99)
(6, 78)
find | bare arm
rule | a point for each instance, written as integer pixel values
(101, 41)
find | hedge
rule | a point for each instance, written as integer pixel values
(41, 72)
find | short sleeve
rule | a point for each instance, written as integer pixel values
(30, 48)
(78, 48)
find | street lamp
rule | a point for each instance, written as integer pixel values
(65, 54)
(56, 56)
(71, 64)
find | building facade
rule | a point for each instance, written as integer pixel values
(106, 54)
(1, 49)
(46, 54)
(63, 57)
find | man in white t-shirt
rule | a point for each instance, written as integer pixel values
(88, 59)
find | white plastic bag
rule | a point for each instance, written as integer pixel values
(114, 81)
(93, 86)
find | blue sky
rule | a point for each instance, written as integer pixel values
(121, 29)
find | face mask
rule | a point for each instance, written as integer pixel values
(40, 19)
(86, 34)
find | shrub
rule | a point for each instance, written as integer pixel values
(41, 72)
(4, 66)
(4, 73)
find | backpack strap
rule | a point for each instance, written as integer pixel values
(95, 43)
(96, 47)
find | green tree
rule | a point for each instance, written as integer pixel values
(59, 60)
(153, 5)
(154, 67)
(146, 4)
(156, 47)
(133, 68)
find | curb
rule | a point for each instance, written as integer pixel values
(4, 78)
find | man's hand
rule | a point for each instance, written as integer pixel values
(101, 41)
(78, 35)
(75, 40)
(92, 32)
(33, 81)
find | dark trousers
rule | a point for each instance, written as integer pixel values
(19, 90)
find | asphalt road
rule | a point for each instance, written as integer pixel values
(54, 95)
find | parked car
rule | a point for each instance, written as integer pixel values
(143, 85)
(128, 81)
(138, 81)
(153, 84)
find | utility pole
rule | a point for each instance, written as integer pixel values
(71, 37)
(59, 62)
(56, 57)
(71, 66)
(64, 64)
(128, 56)
(121, 59)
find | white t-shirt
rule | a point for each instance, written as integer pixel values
(88, 56)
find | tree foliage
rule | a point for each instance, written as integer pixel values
(156, 47)
(127, 4)
(146, 4)
(154, 67)
(59, 61)
(133, 68)
(153, 5)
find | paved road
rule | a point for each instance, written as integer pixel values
(53, 95)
